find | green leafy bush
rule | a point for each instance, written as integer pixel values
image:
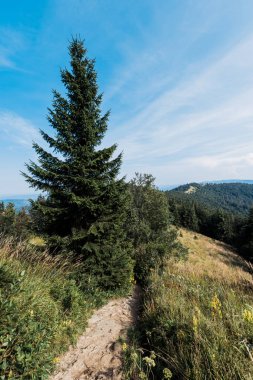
(42, 310)
(149, 228)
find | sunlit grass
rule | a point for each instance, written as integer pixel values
(42, 309)
(213, 259)
(198, 316)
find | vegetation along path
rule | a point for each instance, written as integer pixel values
(97, 354)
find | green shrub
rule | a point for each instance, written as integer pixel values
(42, 310)
(149, 228)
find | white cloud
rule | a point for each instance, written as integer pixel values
(217, 161)
(196, 123)
(11, 42)
(16, 129)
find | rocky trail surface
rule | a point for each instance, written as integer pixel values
(97, 354)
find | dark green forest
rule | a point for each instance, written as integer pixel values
(212, 218)
(236, 198)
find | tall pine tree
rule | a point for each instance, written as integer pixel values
(85, 206)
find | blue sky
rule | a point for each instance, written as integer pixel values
(177, 76)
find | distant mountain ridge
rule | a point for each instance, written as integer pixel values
(236, 197)
(248, 181)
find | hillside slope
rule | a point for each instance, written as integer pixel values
(197, 320)
(233, 197)
(212, 258)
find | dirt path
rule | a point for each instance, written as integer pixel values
(97, 355)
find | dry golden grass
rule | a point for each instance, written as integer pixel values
(198, 316)
(211, 258)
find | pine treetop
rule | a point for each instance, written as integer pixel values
(75, 172)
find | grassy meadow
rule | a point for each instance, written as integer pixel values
(42, 309)
(197, 318)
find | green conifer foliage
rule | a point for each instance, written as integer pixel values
(85, 206)
(7, 218)
(149, 228)
(246, 237)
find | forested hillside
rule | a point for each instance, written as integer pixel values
(221, 211)
(232, 197)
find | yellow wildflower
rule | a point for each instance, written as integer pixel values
(216, 306)
(132, 280)
(149, 362)
(195, 320)
(134, 356)
(67, 323)
(124, 346)
(152, 355)
(56, 360)
(247, 315)
(167, 374)
(142, 375)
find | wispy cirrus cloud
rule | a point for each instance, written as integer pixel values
(177, 75)
(5, 61)
(15, 129)
(11, 42)
(198, 122)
